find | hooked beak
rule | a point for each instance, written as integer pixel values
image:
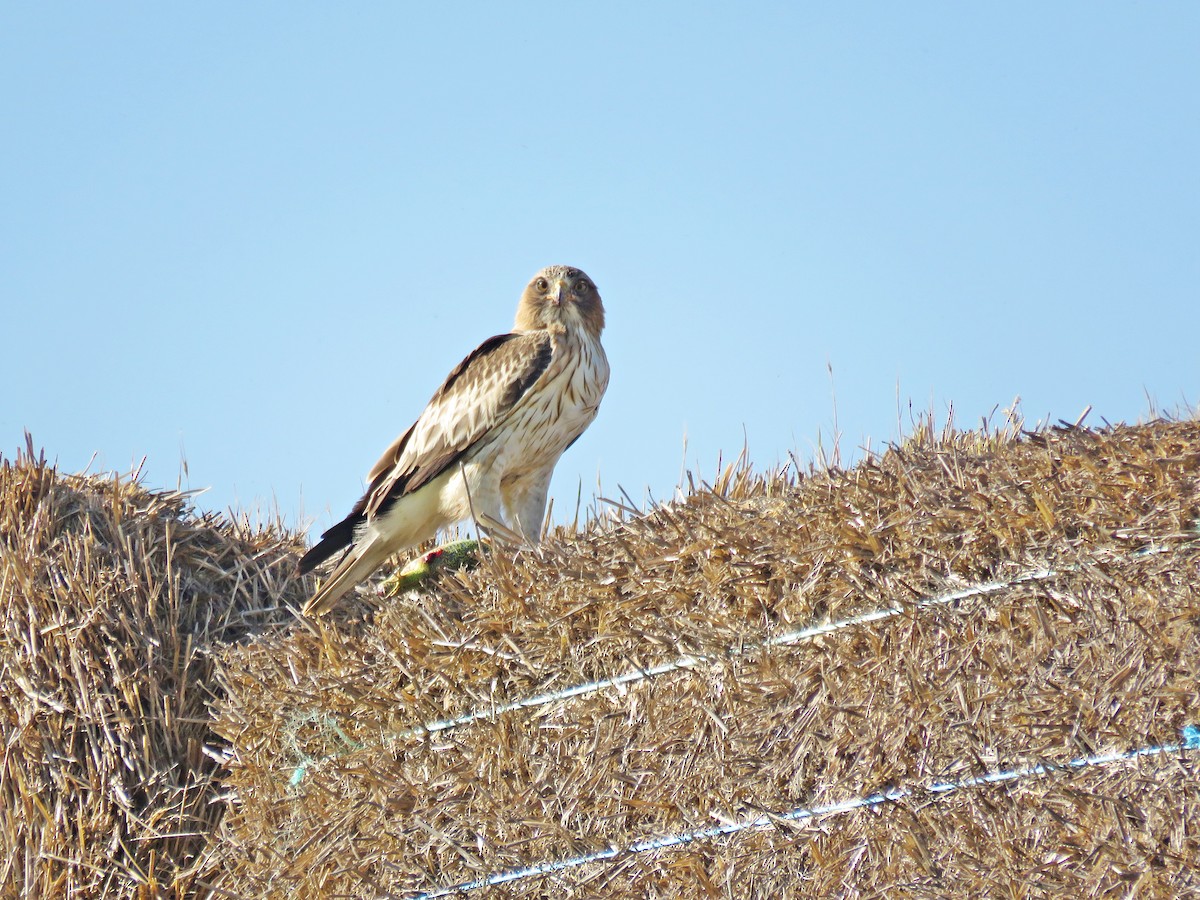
(556, 295)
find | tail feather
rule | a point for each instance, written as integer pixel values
(363, 559)
(336, 538)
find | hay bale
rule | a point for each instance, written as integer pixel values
(389, 749)
(342, 791)
(113, 598)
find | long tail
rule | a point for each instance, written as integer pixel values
(363, 559)
(336, 538)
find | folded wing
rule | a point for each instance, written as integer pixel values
(476, 397)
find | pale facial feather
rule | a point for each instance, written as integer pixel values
(562, 299)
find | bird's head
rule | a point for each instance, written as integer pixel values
(561, 298)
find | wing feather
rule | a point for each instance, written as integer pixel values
(476, 396)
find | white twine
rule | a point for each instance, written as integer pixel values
(691, 661)
(1190, 743)
(1190, 738)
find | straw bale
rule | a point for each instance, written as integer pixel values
(113, 598)
(336, 795)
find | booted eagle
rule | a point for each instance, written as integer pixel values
(487, 442)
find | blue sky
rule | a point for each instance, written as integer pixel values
(257, 236)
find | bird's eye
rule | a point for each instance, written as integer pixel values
(541, 284)
(582, 287)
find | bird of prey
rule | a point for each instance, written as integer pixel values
(486, 444)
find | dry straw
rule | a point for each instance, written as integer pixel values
(1098, 656)
(114, 598)
(1190, 743)
(125, 614)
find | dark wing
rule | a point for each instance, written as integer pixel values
(476, 396)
